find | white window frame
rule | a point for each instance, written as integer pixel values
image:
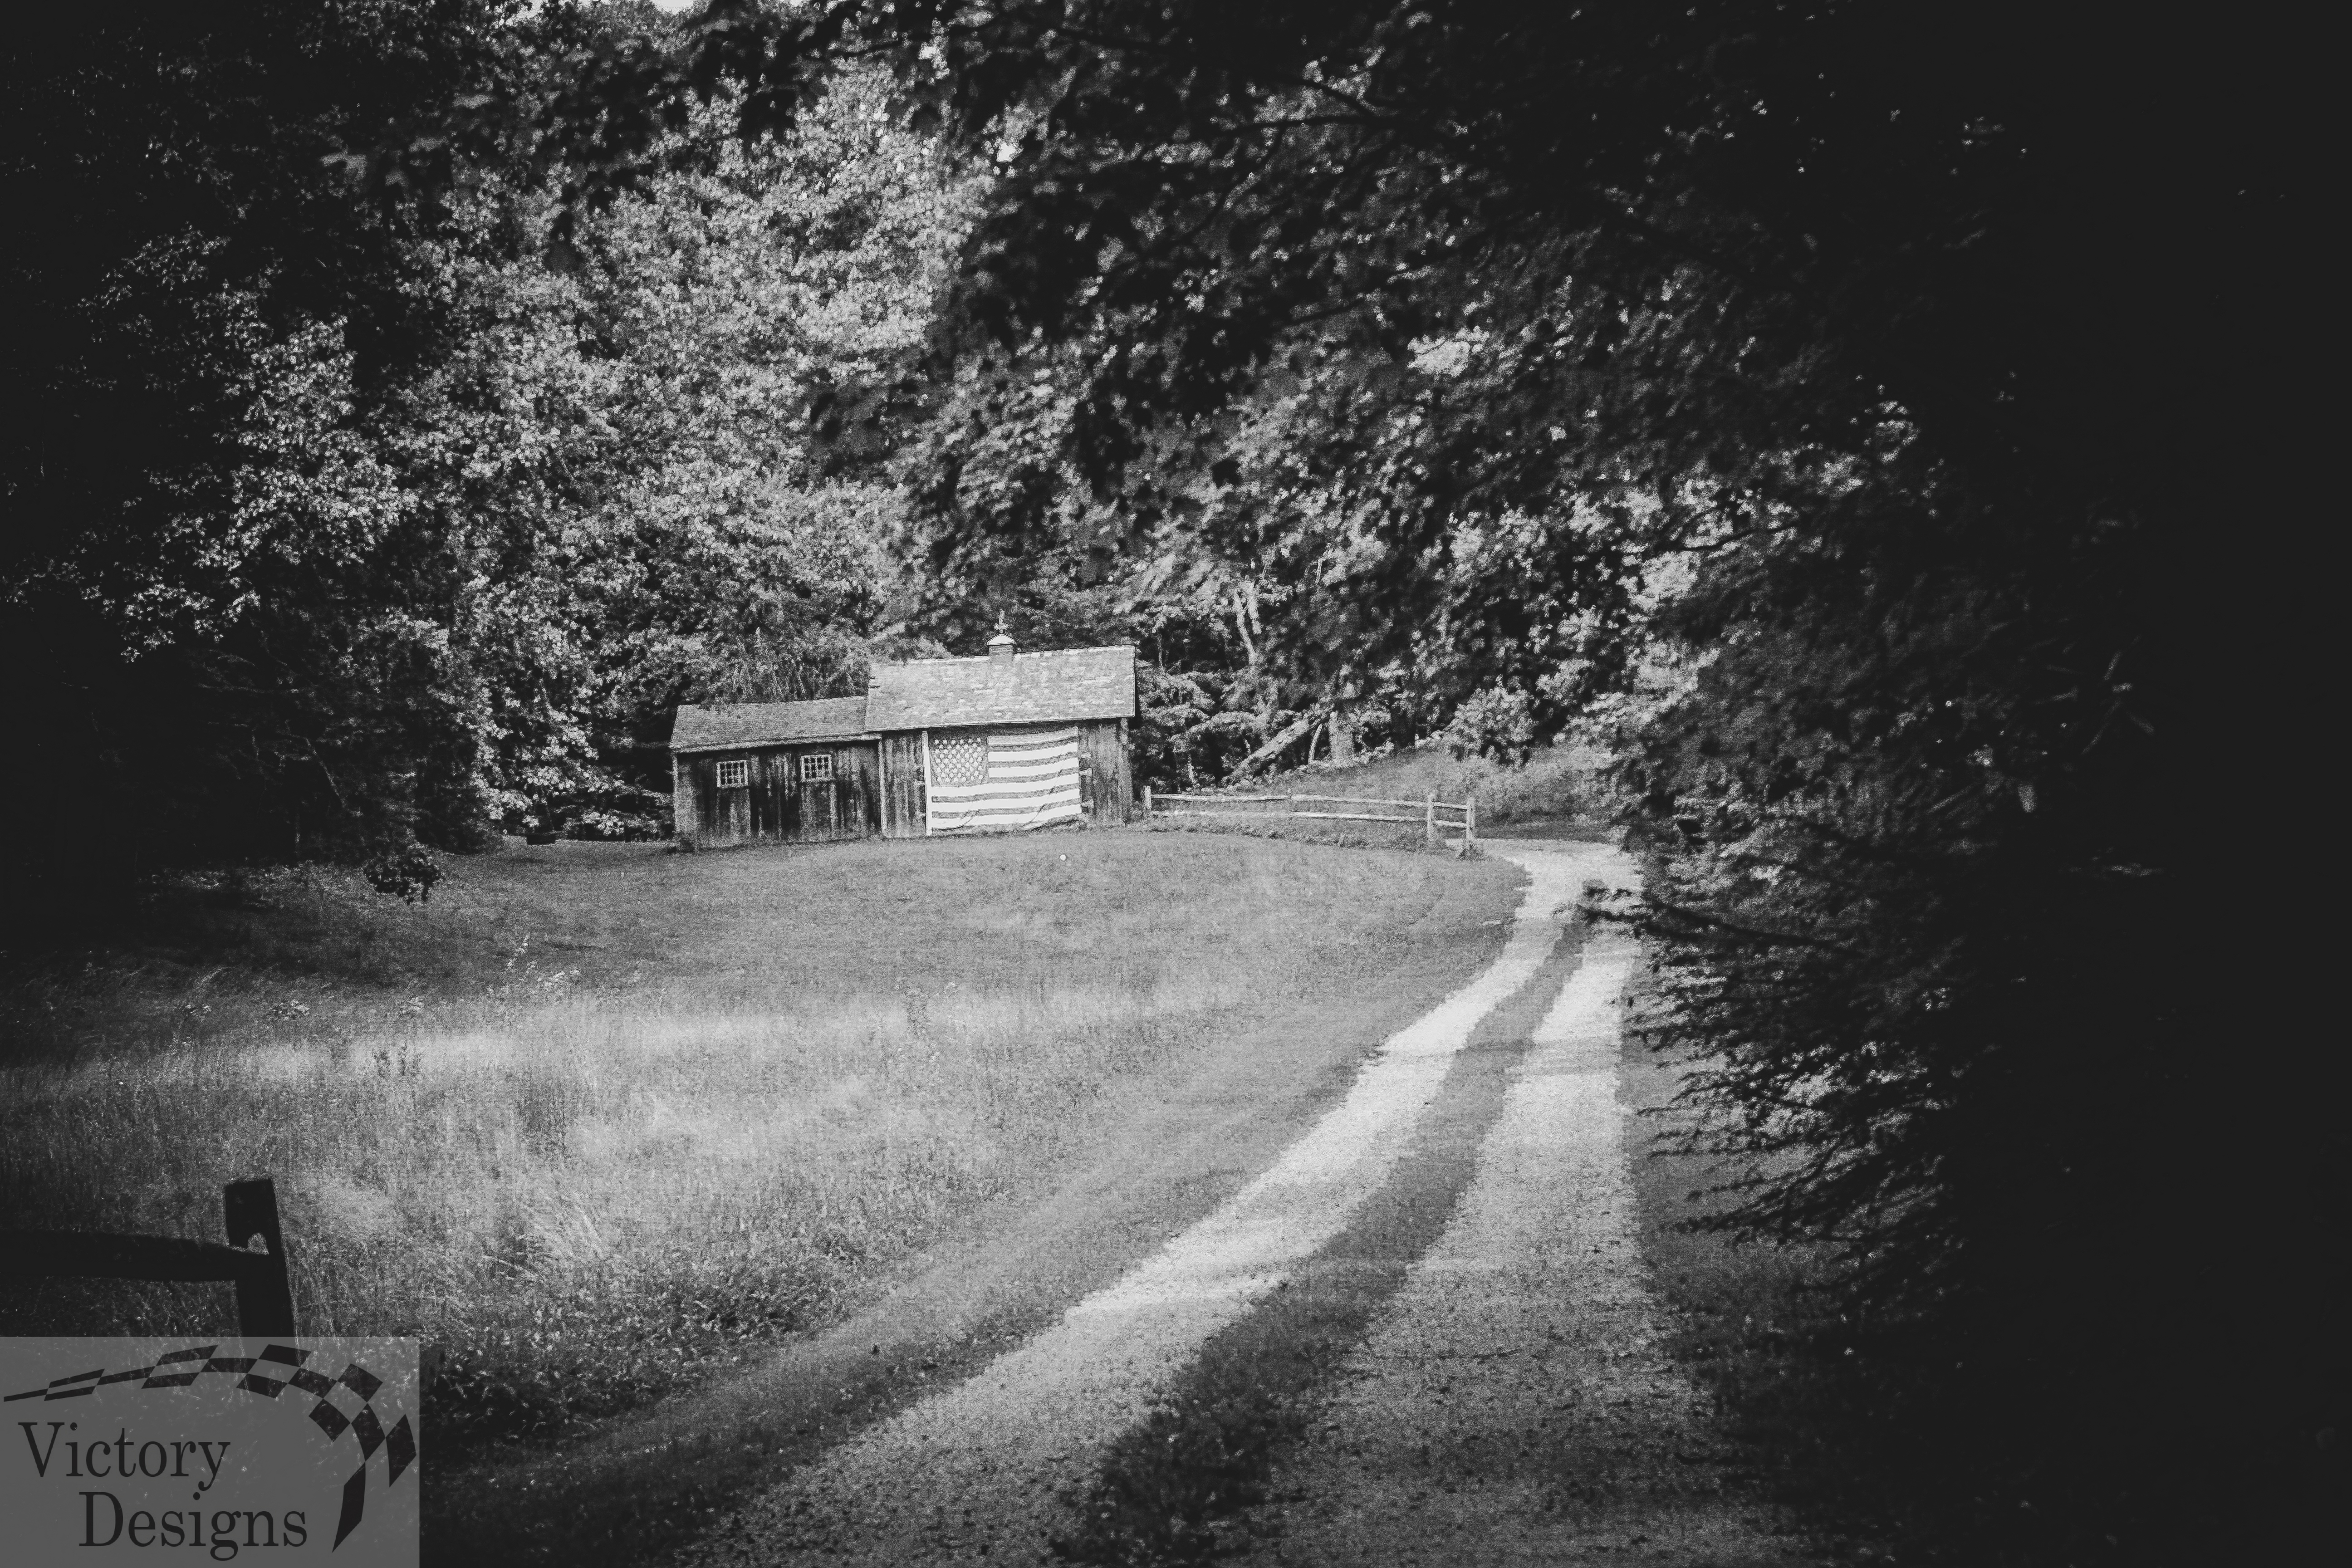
(735, 772)
(816, 767)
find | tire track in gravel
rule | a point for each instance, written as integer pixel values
(989, 1469)
(1175, 1488)
(1514, 1404)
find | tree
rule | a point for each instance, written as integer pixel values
(340, 525)
(617, 439)
(221, 600)
(1894, 361)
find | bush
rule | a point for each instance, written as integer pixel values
(407, 873)
(1496, 725)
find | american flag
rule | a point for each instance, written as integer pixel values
(1006, 779)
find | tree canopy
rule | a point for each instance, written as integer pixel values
(1905, 382)
(1888, 370)
(340, 525)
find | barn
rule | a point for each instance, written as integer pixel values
(997, 742)
(773, 773)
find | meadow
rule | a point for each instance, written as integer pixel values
(600, 1118)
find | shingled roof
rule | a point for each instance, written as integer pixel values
(767, 724)
(1026, 688)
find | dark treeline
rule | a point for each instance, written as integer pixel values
(341, 529)
(1868, 414)
(345, 529)
(1875, 411)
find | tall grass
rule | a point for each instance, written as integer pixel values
(749, 1083)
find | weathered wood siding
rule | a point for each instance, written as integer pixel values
(1105, 766)
(902, 785)
(775, 806)
(875, 788)
(1109, 775)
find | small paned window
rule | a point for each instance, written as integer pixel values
(817, 769)
(734, 775)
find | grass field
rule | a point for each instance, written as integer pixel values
(599, 1118)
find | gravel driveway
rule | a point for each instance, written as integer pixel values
(985, 1471)
(1511, 1406)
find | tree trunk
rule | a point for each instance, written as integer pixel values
(1272, 749)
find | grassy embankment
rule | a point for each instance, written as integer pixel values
(1555, 790)
(599, 1118)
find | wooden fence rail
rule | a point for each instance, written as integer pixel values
(1425, 813)
(264, 1296)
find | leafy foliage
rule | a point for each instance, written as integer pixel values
(340, 526)
(1496, 723)
(1880, 376)
(1879, 367)
(624, 430)
(222, 598)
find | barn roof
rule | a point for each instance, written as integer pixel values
(767, 724)
(1028, 687)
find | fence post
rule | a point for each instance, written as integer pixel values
(1429, 820)
(1146, 805)
(264, 1296)
(1470, 824)
(1292, 809)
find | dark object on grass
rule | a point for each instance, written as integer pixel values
(264, 1299)
(539, 838)
(406, 873)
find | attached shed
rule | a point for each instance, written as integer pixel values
(773, 773)
(995, 743)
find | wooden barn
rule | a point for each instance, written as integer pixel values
(999, 742)
(773, 773)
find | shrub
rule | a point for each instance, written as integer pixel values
(1498, 724)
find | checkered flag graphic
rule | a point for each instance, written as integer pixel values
(342, 1403)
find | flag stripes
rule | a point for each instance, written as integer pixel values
(1013, 779)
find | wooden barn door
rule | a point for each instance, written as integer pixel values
(862, 788)
(730, 820)
(901, 784)
(842, 804)
(1110, 788)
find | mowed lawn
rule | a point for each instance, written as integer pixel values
(600, 1118)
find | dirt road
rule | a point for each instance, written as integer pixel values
(1513, 1395)
(1513, 1405)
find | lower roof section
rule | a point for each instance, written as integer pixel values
(735, 725)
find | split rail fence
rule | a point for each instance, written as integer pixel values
(264, 1296)
(1432, 815)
